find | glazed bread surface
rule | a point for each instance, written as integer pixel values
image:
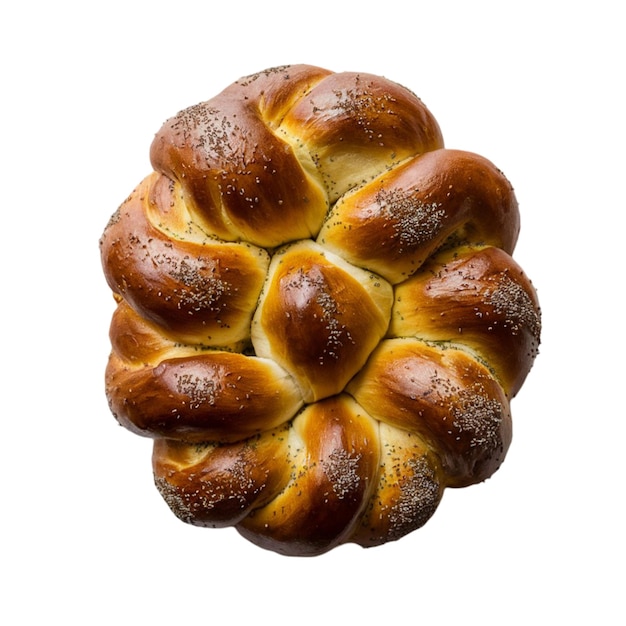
(318, 318)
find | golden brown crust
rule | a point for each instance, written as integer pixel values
(211, 396)
(217, 485)
(334, 456)
(307, 322)
(201, 291)
(477, 297)
(318, 318)
(241, 179)
(355, 126)
(135, 339)
(443, 395)
(408, 490)
(393, 224)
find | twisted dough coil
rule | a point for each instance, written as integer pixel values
(319, 321)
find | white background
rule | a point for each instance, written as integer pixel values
(536, 87)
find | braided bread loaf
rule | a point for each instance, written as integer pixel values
(318, 318)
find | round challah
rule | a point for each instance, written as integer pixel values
(319, 321)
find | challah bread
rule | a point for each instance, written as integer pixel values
(318, 320)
